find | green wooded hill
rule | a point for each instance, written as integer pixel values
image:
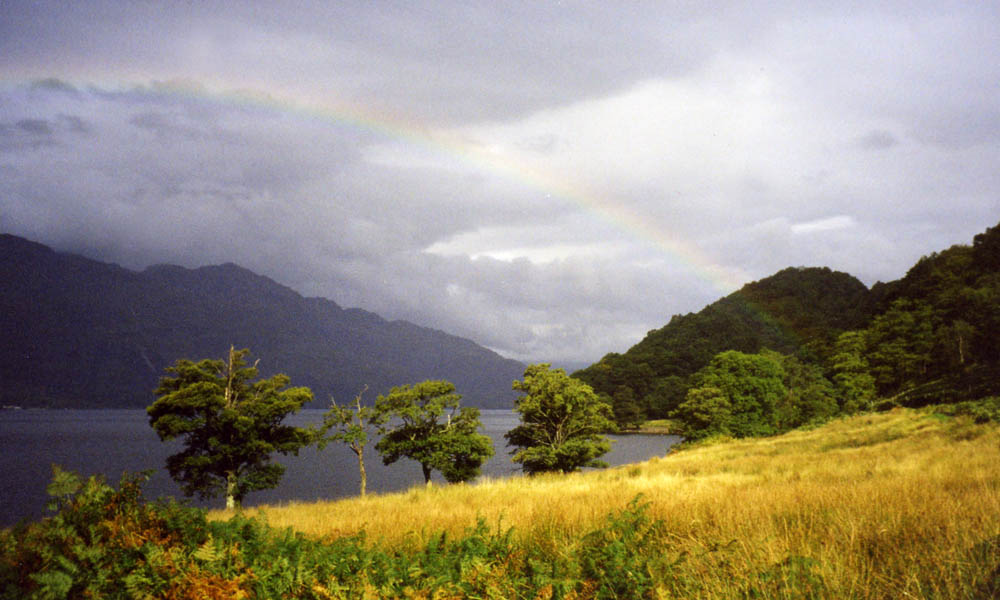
(79, 333)
(930, 336)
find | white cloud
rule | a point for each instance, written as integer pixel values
(827, 224)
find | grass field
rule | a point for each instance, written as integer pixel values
(903, 504)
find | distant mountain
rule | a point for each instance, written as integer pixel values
(75, 332)
(795, 311)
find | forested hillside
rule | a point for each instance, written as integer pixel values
(931, 336)
(797, 311)
(80, 333)
(936, 336)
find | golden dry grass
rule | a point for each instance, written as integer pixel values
(887, 505)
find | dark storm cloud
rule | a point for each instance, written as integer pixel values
(34, 126)
(469, 61)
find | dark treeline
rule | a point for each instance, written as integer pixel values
(808, 343)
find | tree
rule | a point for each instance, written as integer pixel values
(900, 345)
(705, 411)
(852, 376)
(753, 385)
(811, 397)
(352, 426)
(230, 426)
(627, 412)
(954, 341)
(562, 422)
(667, 394)
(453, 447)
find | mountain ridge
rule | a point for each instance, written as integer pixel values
(83, 333)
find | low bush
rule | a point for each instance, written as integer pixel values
(981, 411)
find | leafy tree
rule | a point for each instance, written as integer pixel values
(627, 411)
(984, 317)
(354, 426)
(705, 411)
(811, 398)
(986, 249)
(667, 394)
(753, 384)
(230, 425)
(852, 376)
(900, 344)
(433, 431)
(953, 350)
(562, 422)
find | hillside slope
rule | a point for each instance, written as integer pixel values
(81, 333)
(795, 311)
(932, 336)
(890, 505)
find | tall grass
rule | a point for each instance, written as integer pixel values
(892, 505)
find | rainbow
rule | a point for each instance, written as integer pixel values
(452, 148)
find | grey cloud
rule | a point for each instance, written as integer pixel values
(152, 121)
(25, 134)
(878, 140)
(73, 123)
(960, 128)
(53, 84)
(464, 62)
(163, 125)
(330, 178)
(32, 133)
(34, 126)
(523, 309)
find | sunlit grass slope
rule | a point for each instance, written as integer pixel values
(898, 504)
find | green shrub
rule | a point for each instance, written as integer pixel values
(103, 542)
(981, 411)
(621, 558)
(796, 578)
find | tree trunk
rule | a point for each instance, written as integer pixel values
(231, 502)
(361, 469)
(229, 378)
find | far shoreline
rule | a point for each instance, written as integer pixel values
(654, 427)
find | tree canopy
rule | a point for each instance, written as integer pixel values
(434, 430)
(230, 425)
(741, 391)
(562, 422)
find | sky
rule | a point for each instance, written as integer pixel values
(549, 179)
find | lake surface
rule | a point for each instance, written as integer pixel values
(111, 442)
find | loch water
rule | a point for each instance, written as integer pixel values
(110, 442)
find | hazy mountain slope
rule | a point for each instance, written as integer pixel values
(77, 332)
